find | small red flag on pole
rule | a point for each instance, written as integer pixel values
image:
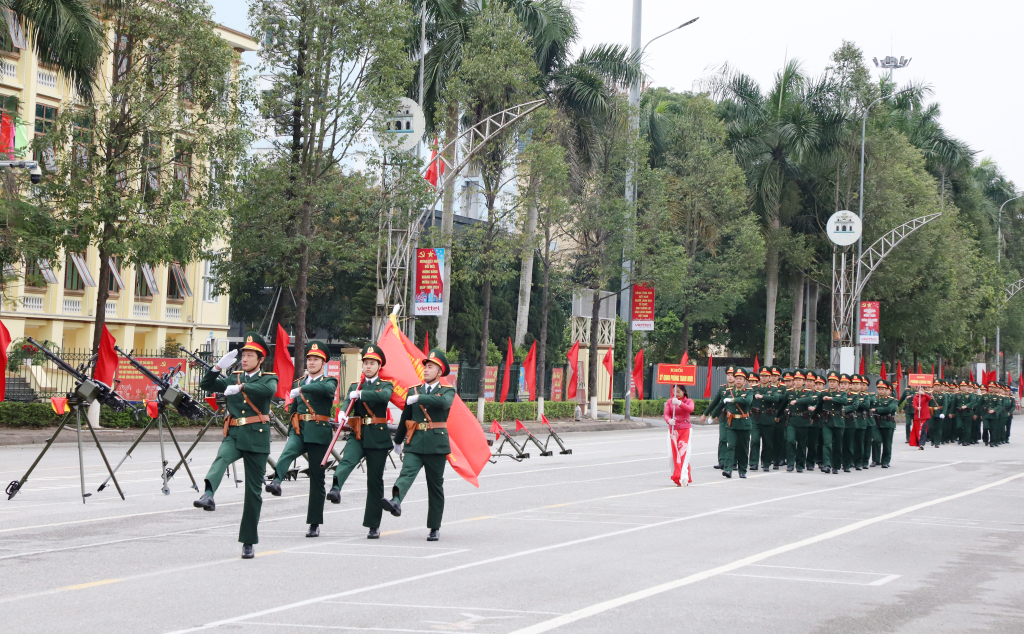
(572, 357)
(861, 372)
(608, 366)
(508, 369)
(756, 365)
(707, 385)
(106, 362)
(5, 341)
(686, 358)
(638, 374)
(530, 365)
(284, 367)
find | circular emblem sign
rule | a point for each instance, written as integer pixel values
(844, 228)
(404, 127)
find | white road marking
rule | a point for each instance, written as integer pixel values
(540, 549)
(378, 555)
(437, 607)
(633, 597)
(882, 581)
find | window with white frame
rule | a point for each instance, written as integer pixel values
(209, 289)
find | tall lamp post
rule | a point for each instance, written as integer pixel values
(999, 258)
(625, 295)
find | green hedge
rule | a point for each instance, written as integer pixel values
(654, 407)
(42, 415)
(525, 411)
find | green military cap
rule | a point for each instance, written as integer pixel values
(730, 370)
(438, 358)
(798, 374)
(809, 375)
(819, 379)
(883, 383)
(776, 371)
(739, 372)
(374, 352)
(765, 372)
(833, 376)
(787, 376)
(254, 341)
(844, 377)
(318, 349)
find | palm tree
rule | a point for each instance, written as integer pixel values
(66, 33)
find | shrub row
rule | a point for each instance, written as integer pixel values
(42, 415)
(655, 407)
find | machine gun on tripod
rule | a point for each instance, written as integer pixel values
(168, 395)
(87, 390)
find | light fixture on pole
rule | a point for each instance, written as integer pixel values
(999, 258)
(890, 63)
(34, 172)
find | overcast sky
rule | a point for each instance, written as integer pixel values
(965, 51)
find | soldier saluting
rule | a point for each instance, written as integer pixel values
(370, 437)
(310, 415)
(246, 431)
(424, 430)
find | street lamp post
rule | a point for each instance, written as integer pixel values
(999, 258)
(625, 297)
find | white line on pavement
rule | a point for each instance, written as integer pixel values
(438, 607)
(540, 549)
(633, 597)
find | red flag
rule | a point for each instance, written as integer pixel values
(530, 365)
(1020, 385)
(6, 134)
(436, 168)
(152, 408)
(899, 373)
(971, 375)
(212, 402)
(284, 367)
(638, 374)
(519, 426)
(544, 420)
(941, 370)
(5, 342)
(426, 344)
(933, 369)
(885, 376)
(508, 370)
(106, 362)
(861, 366)
(686, 358)
(756, 365)
(495, 429)
(707, 385)
(608, 366)
(573, 357)
(59, 404)
(470, 451)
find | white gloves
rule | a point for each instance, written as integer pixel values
(677, 401)
(727, 400)
(411, 400)
(353, 395)
(942, 415)
(232, 389)
(398, 448)
(294, 392)
(226, 361)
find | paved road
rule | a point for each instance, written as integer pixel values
(598, 541)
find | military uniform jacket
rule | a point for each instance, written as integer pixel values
(835, 408)
(907, 401)
(714, 408)
(782, 414)
(885, 410)
(437, 404)
(867, 402)
(938, 404)
(373, 400)
(740, 405)
(767, 404)
(320, 394)
(800, 414)
(259, 387)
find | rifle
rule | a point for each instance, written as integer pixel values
(87, 388)
(196, 358)
(337, 431)
(167, 393)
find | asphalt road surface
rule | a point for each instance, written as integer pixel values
(599, 541)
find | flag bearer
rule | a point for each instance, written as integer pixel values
(310, 416)
(246, 431)
(369, 438)
(424, 430)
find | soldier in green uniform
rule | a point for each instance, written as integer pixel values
(713, 410)
(832, 403)
(781, 416)
(815, 442)
(964, 402)
(938, 414)
(762, 429)
(802, 404)
(862, 434)
(246, 431)
(907, 403)
(949, 422)
(310, 417)
(736, 407)
(370, 438)
(990, 407)
(424, 430)
(885, 413)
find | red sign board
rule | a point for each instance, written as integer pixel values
(643, 307)
(677, 374)
(920, 380)
(452, 380)
(429, 282)
(557, 383)
(134, 386)
(490, 382)
(869, 322)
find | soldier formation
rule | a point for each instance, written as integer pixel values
(800, 419)
(422, 429)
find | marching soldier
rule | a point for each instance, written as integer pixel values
(713, 410)
(802, 404)
(832, 403)
(815, 446)
(424, 430)
(885, 411)
(370, 438)
(762, 428)
(246, 431)
(938, 414)
(907, 403)
(736, 407)
(862, 435)
(964, 407)
(310, 416)
(781, 416)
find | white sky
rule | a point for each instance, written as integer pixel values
(965, 51)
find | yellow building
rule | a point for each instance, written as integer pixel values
(56, 301)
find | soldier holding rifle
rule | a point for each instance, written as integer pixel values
(424, 430)
(370, 437)
(246, 431)
(310, 416)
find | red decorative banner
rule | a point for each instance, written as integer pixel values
(869, 323)
(429, 282)
(134, 386)
(920, 380)
(490, 382)
(643, 307)
(677, 374)
(557, 384)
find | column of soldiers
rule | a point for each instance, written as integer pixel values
(963, 412)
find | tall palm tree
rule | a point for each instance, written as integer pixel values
(66, 33)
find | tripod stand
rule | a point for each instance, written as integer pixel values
(160, 421)
(79, 407)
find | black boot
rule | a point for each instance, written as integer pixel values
(373, 534)
(433, 536)
(718, 466)
(826, 470)
(206, 502)
(274, 487)
(753, 467)
(392, 506)
(789, 469)
(247, 551)
(334, 495)
(314, 530)
(727, 474)
(743, 474)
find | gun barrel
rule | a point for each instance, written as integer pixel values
(63, 365)
(141, 368)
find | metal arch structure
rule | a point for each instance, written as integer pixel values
(395, 262)
(1013, 289)
(850, 275)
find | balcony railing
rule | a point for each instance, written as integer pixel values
(173, 313)
(111, 309)
(8, 69)
(45, 79)
(140, 311)
(72, 306)
(33, 303)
